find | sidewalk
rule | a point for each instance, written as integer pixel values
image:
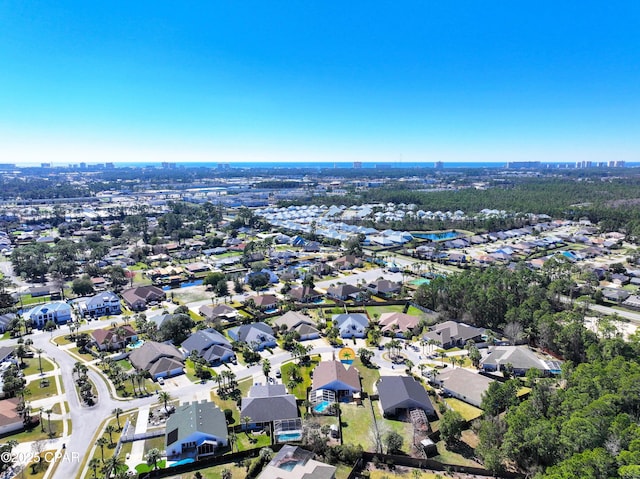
(137, 447)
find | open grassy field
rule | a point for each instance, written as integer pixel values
(41, 388)
(34, 368)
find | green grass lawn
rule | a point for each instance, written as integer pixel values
(467, 411)
(251, 441)
(33, 366)
(127, 390)
(154, 442)
(36, 391)
(191, 372)
(368, 375)
(85, 356)
(144, 467)
(41, 468)
(300, 391)
(124, 364)
(446, 456)
(57, 407)
(223, 404)
(357, 425)
(36, 433)
(215, 472)
(379, 310)
(62, 340)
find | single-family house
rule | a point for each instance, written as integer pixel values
(256, 335)
(304, 294)
(5, 321)
(293, 462)
(632, 302)
(195, 431)
(296, 322)
(101, 304)
(383, 287)
(616, 295)
(519, 358)
(398, 324)
(463, 384)
(451, 334)
(266, 404)
(10, 419)
(264, 302)
(351, 325)
(139, 297)
(58, 311)
(344, 292)
(159, 359)
(209, 344)
(347, 262)
(114, 338)
(399, 394)
(218, 312)
(335, 376)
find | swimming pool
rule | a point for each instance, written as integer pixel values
(445, 235)
(188, 460)
(321, 406)
(290, 436)
(137, 344)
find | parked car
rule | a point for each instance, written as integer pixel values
(161, 381)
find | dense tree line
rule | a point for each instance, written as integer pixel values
(588, 428)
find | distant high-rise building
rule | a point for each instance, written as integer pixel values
(616, 164)
(109, 166)
(438, 165)
(523, 164)
(168, 164)
(45, 165)
(357, 164)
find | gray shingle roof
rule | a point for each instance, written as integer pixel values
(150, 352)
(269, 403)
(202, 417)
(403, 392)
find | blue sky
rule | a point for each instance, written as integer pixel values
(319, 81)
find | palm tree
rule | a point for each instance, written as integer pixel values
(442, 355)
(48, 413)
(266, 454)
(153, 456)
(266, 367)
(101, 442)
(93, 465)
(226, 474)
(246, 420)
(110, 429)
(117, 411)
(40, 351)
(113, 465)
(165, 397)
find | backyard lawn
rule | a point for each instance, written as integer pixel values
(467, 411)
(357, 425)
(368, 375)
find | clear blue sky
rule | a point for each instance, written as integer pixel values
(319, 81)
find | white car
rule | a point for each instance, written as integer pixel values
(161, 381)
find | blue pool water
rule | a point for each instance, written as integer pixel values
(137, 344)
(294, 436)
(445, 235)
(420, 281)
(321, 406)
(186, 284)
(183, 461)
